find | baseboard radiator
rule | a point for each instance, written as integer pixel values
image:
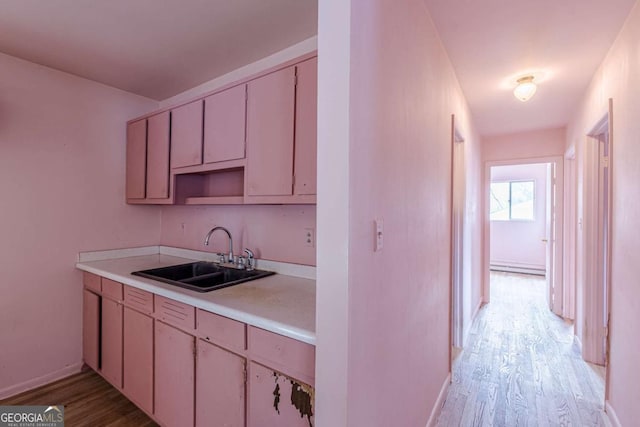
(517, 269)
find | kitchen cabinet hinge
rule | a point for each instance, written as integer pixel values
(245, 375)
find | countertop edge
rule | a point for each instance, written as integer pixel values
(289, 331)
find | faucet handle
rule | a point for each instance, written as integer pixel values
(250, 264)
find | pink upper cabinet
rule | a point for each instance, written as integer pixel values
(158, 156)
(136, 159)
(224, 125)
(306, 127)
(186, 135)
(270, 132)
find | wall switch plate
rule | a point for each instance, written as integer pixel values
(309, 237)
(379, 234)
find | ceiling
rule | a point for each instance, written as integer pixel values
(492, 42)
(152, 48)
(158, 49)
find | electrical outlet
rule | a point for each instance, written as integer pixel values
(378, 237)
(309, 237)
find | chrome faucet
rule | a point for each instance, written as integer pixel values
(206, 240)
(250, 260)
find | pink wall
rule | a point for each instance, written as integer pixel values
(62, 169)
(519, 243)
(274, 232)
(619, 78)
(396, 167)
(540, 143)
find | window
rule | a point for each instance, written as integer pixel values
(512, 200)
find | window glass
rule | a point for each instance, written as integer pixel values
(499, 201)
(514, 200)
(522, 200)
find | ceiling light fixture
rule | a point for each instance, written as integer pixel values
(526, 88)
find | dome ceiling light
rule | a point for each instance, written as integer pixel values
(526, 88)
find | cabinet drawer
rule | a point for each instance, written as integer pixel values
(175, 313)
(221, 330)
(91, 281)
(291, 357)
(138, 299)
(112, 289)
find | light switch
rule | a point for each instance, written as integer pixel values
(379, 230)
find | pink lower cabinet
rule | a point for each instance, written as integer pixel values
(220, 390)
(91, 329)
(174, 364)
(111, 348)
(281, 379)
(138, 359)
(276, 400)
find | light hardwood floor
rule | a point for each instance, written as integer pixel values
(88, 401)
(521, 365)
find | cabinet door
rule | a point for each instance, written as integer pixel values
(186, 135)
(276, 400)
(270, 129)
(306, 127)
(174, 376)
(136, 159)
(137, 381)
(91, 329)
(158, 156)
(224, 125)
(112, 342)
(220, 391)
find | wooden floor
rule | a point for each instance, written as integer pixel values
(88, 401)
(521, 365)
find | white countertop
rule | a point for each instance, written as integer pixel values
(282, 304)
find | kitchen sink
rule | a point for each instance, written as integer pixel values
(202, 276)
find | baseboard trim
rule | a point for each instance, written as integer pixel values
(435, 412)
(615, 422)
(40, 381)
(465, 333)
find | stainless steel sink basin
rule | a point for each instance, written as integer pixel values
(201, 276)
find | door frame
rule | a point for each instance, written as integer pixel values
(570, 248)
(559, 226)
(457, 201)
(594, 264)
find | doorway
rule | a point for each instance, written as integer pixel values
(512, 201)
(594, 255)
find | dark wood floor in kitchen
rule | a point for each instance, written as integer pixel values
(521, 365)
(88, 401)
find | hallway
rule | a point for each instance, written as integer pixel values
(521, 365)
